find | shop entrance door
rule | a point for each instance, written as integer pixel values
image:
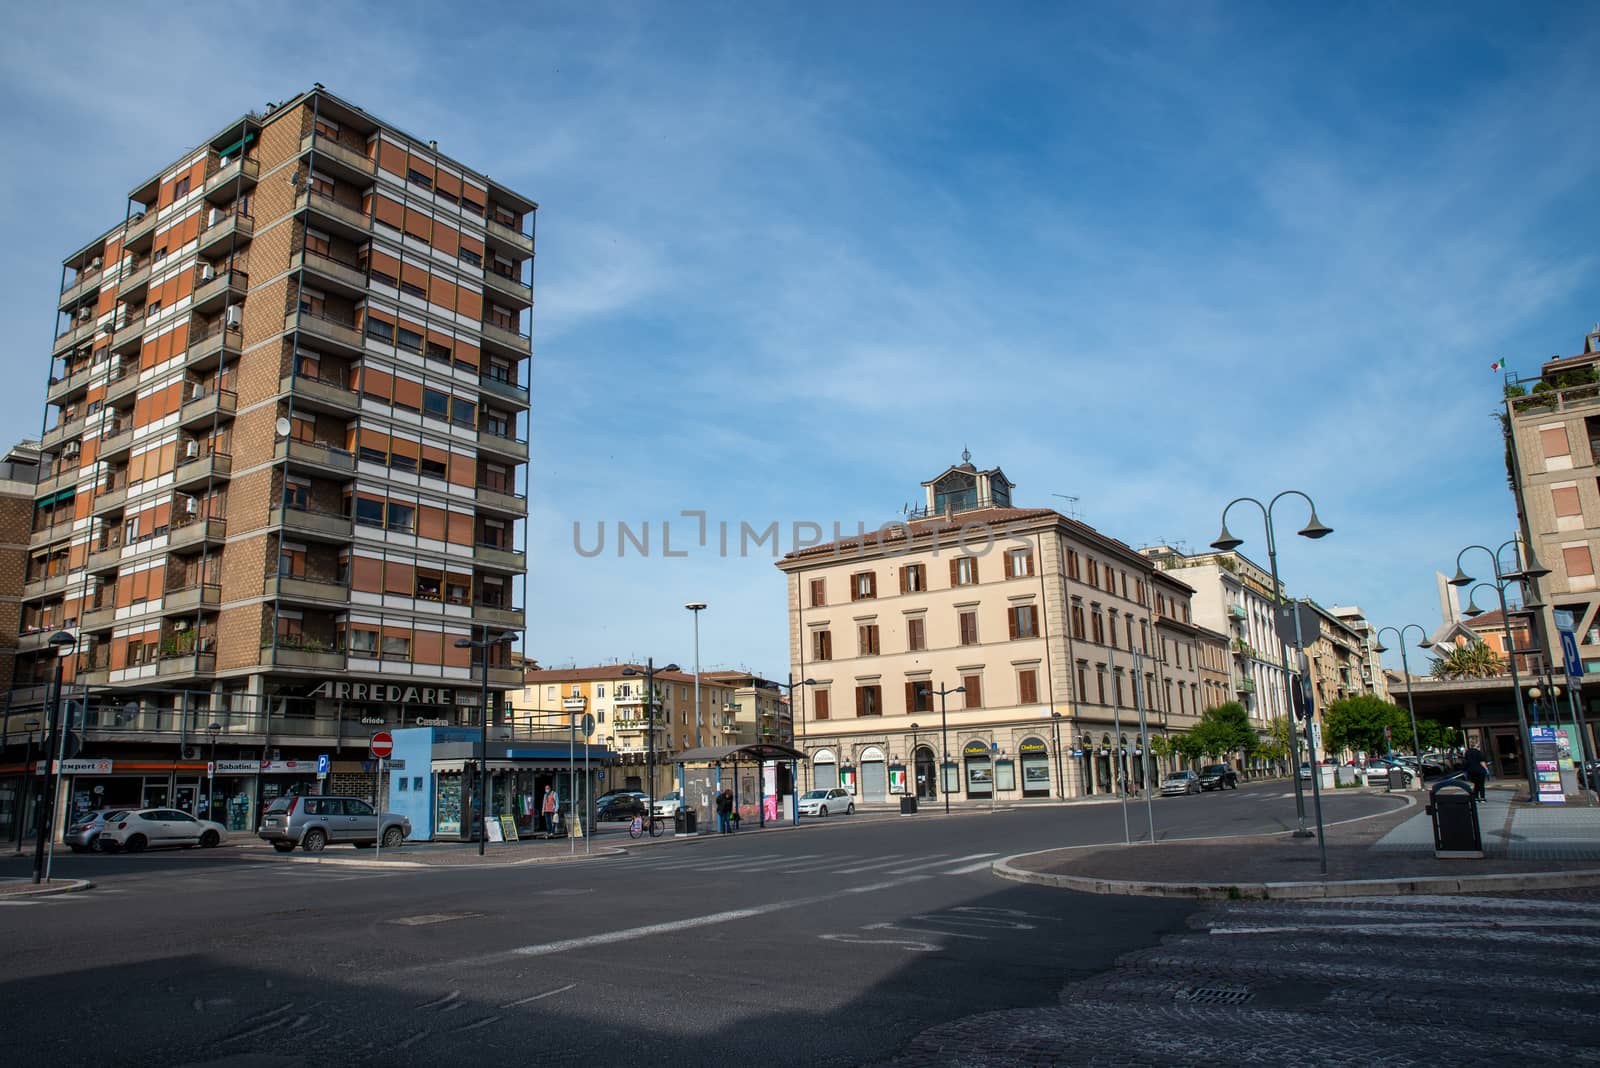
(155, 793)
(186, 795)
(927, 782)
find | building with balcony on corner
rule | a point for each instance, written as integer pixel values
(1037, 617)
(1370, 661)
(756, 711)
(283, 464)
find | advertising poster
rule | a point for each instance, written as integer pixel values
(1546, 765)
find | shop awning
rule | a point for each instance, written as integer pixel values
(756, 751)
(60, 495)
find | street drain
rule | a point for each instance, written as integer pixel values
(1215, 995)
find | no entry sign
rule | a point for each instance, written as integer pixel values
(382, 745)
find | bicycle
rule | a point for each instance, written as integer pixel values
(637, 828)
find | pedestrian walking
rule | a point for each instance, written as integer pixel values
(549, 809)
(1476, 766)
(725, 811)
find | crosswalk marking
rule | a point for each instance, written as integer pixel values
(941, 863)
(893, 858)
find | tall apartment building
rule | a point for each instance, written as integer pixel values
(1373, 680)
(19, 471)
(1336, 655)
(284, 452)
(1035, 616)
(756, 711)
(1234, 596)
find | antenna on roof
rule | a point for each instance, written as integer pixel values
(1072, 512)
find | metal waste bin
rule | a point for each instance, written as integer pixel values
(1455, 819)
(690, 821)
(1398, 778)
(908, 804)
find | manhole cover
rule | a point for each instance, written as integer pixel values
(1215, 995)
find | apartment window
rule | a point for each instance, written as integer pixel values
(159, 254)
(1094, 572)
(819, 592)
(318, 243)
(181, 188)
(296, 495)
(1019, 563)
(1072, 564)
(361, 642)
(1111, 580)
(1100, 681)
(972, 691)
(1111, 626)
(1099, 628)
(1083, 685)
(819, 704)
(1028, 686)
(327, 128)
(1144, 635)
(430, 585)
(418, 178)
(431, 467)
(402, 516)
(964, 571)
(376, 328)
(1124, 585)
(410, 340)
(867, 639)
(373, 455)
(472, 257)
(322, 186)
(913, 578)
(968, 621)
(396, 647)
(869, 700)
(919, 696)
(1128, 622)
(463, 412)
(1117, 681)
(436, 351)
(916, 635)
(863, 586)
(1077, 621)
(435, 404)
(821, 645)
(1024, 621)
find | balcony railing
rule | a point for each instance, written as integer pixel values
(302, 588)
(62, 431)
(507, 335)
(509, 286)
(347, 271)
(226, 226)
(108, 499)
(139, 227)
(115, 439)
(221, 288)
(310, 521)
(318, 453)
(218, 403)
(100, 617)
(186, 664)
(335, 329)
(330, 391)
(63, 387)
(500, 557)
(502, 445)
(190, 598)
(223, 177)
(511, 391)
(124, 380)
(106, 555)
(498, 614)
(351, 156)
(195, 532)
(79, 330)
(352, 217)
(212, 466)
(509, 235)
(85, 281)
(1245, 685)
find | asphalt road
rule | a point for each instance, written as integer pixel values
(833, 944)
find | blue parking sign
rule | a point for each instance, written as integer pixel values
(322, 763)
(1569, 653)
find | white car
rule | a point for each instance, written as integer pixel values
(667, 808)
(823, 802)
(1179, 783)
(138, 829)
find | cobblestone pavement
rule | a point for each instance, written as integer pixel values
(1378, 981)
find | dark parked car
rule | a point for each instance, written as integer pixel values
(622, 807)
(611, 795)
(1218, 777)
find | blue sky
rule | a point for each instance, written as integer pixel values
(791, 262)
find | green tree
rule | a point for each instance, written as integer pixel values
(1431, 733)
(1358, 723)
(1476, 660)
(1224, 729)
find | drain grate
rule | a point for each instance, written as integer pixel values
(1215, 995)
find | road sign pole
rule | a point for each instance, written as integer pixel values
(378, 845)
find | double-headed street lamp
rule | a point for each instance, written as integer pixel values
(649, 674)
(1400, 637)
(944, 742)
(1313, 529)
(484, 643)
(697, 607)
(1531, 571)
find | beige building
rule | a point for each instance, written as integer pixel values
(1336, 656)
(978, 649)
(1216, 678)
(1370, 660)
(615, 695)
(756, 711)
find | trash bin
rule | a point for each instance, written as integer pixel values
(690, 820)
(1397, 778)
(678, 820)
(907, 804)
(1455, 819)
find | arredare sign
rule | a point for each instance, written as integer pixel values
(390, 693)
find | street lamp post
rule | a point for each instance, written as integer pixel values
(1405, 666)
(944, 741)
(1531, 570)
(211, 773)
(650, 721)
(1314, 529)
(55, 739)
(916, 790)
(1055, 739)
(484, 644)
(697, 607)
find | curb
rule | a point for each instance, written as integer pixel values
(72, 886)
(418, 865)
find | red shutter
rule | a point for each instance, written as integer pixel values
(911, 698)
(974, 687)
(974, 570)
(820, 704)
(904, 574)
(861, 700)
(955, 574)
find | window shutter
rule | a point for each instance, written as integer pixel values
(1030, 563)
(872, 584)
(974, 569)
(973, 684)
(820, 704)
(1011, 617)
(905, 574)
(911, 698)
(861, 700)
(955, 573)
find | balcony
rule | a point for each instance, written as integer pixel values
(196, 532)
(293, 588)
(229, 178)
(504, 234)
(48, 534)
(318, 392)
(206, 350)
(107, 556)
(336, 331)
(347, 220)
(303, 653)
(320, 456)
(66, 476)
(208, 407)
(190, 598)
(48, 584)
(501, 500)
(191, 474)
(212, 295)
(499, 559)
(224, 230)
(124, 381)
(77, 331)
(187, 664)
(728, 728)
(128, 335)
(62, 388)
(134, 279)
(141, 228)
(1244, 685)
(116, 440)
(510, 391)
(343, 157)
(510, 618)
(305, 522)
(508, 678)
(521, 344)
(510, 288)
(109, 500)
(34, 640)
(502, 446)
(1236, 611)
(61, 432)
(100, 618)
(81, 286)
(343, 273)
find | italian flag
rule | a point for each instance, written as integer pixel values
(1497, 365)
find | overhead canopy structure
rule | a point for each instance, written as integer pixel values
(754, 753)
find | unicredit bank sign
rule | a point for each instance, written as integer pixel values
(387, 693)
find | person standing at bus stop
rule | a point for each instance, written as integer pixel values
(725, 811)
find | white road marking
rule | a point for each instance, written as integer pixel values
(923, 930)
(692, 922)
(442, 1003)
(942, 863)
(539, 997)
(909, 945)
(982, 865)
(433, 917)
(760, 864)
(893, 858)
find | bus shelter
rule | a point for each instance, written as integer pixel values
(762, 775)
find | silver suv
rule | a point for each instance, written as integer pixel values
(314, 821)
